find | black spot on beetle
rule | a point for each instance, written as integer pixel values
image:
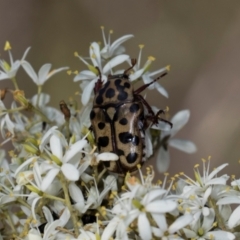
(123, 121)
(135, 140)
(134, 108)
(103, 141)
(127, 85)
(132, 157)
(125, 137)
(99, 99)
(92, 115)
(110, 93)
(120, 152)
(99, 96)
(101, 125)
(122, 96)
(106, 164)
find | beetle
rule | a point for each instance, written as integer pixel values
(119, 122)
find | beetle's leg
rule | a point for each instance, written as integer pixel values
(141, 98)
(143, 87)
(99, 83)
(154, 119)
(133, 62)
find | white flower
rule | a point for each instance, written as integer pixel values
(196, 204)
(44, 72)
(10, 71)
(178, 121)
(204, 181)
(109, 50)
(166, 232)
(53, 114)
(67, 161)
(202, 229)
(92, 74)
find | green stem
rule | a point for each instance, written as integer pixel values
(14, 81)
(19, 200)
(10, 222)
(45, 195)
(15, 109)
(38, 94)
(68, 203)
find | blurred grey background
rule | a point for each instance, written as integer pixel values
(199, 39)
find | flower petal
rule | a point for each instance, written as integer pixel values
(215, 171)
(118, 42)
(161, 206)
(87, 92)
(70, 172)
(74, 149)
(75, 192)
(114, 62)
(234, 219)
(163, 160)
(144, 227)
(48, 179)
(179, 120)
(56, 146)
(218, 234)
(30, 71)
(161, 89)
(180, 223)
(53, 72)
(43, 72)
(84, 75)
(183, 145)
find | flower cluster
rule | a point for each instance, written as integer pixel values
(54, 183)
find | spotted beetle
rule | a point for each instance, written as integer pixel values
(119, 122)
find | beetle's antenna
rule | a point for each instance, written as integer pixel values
(99, 73)
(99, 82)
(133, 62)
(142, 88)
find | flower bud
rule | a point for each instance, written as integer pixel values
(19, 96)
(31, 148)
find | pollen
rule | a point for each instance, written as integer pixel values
(102, 27)
(203, 160)
(214, 224)
(168, 67)
(209, 158)
(7, 46)
(76, 54)
(139, 166)
(111, 31)
(159, 182)
(151, 58)
(141, 46)
(196, 166)
(233, 176)
(166, 174)
(69, 72)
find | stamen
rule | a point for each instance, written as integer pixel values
(7, 46)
